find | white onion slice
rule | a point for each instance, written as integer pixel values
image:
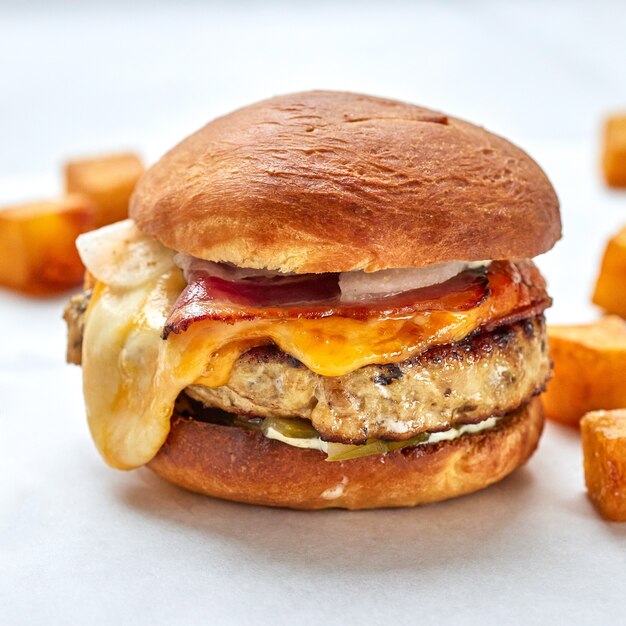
(120, 255)
(362, 285)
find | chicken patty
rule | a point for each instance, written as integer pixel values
(74, 316)
(488, 373)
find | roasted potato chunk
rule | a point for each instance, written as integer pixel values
(610, 291)
(604, 451)
(108, 181)
(37, 240)
(614, 151)
(589, 369)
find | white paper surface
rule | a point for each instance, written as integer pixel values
(83, 544)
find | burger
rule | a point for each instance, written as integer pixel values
(322, 300)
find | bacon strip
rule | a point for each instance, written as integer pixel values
(312, 296)
(505, 287)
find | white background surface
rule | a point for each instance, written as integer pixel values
(83, 544)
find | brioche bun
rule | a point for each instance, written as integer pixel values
(243, 465)
(327, 181)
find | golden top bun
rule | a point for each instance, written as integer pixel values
(327, 181)
(242, 465)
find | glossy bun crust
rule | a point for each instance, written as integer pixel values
(327, 181)
(242, 465)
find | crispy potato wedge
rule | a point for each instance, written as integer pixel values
(37, 241)
(108, 180)
(614, 151)
(604, 450)
(610, 291)
(589, 369)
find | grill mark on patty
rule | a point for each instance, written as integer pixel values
(387, 374)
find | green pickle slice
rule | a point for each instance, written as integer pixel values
(373, 446)
(296, 428)
(293, 427)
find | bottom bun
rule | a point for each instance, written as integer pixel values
(243, 465)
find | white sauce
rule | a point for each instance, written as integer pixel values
(315, 443)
